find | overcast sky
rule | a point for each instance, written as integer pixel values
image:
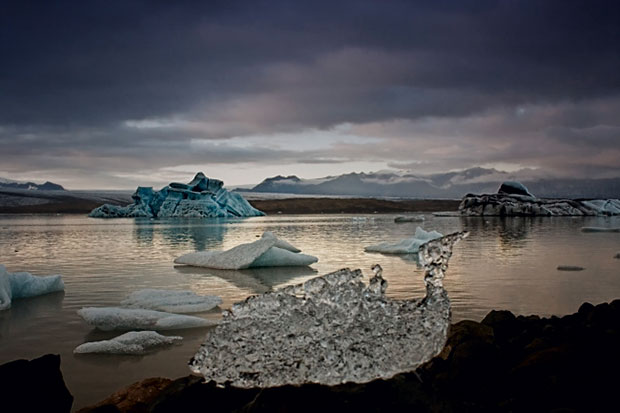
(112, 94)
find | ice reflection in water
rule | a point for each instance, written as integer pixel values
(331, 329)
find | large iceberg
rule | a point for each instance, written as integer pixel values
(513, 199)
(269, 251)
(133, 342)
(115, 318)
(331, 330)
(171, 301)
(202, 197)
(407, 245)
(24, 285)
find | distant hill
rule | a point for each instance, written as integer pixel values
(439, 186)
(47, 186)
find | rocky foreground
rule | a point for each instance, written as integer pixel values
(504, 363)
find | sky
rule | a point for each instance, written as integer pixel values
(115, 94)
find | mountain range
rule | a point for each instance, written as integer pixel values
(47, 186)
(405, 184)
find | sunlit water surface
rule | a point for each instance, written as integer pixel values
(504, 264)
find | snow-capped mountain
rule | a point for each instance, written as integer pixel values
(47, 186)
(407, 184)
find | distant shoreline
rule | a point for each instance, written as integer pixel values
(352, 205)
(67, 202)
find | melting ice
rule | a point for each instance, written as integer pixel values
(407, 245)
(23, 285)
(133, 342)
(331, 329)
(269, 251)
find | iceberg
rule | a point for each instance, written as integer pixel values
(115, 318)
(201, 198)
(24, 285)
(331, 329)
(133, 342)
(171, 301)
(269, 251)
(406, 246)
(513, 199)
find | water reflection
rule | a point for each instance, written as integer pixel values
(24, 310)
(257, 280)
(198, 234)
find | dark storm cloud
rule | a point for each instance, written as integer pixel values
(74, 73)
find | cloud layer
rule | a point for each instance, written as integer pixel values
(129, 89)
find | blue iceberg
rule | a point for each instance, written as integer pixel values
(201, 198)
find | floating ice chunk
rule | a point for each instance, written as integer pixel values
(133, 342)
(280, 243)
(268, 251)
(171, 301)
(24, 285)
(599, 229)
(406, 246)
(331, 329)
(409, 218)
(115, 318)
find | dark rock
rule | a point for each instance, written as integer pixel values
(570, 268)
(35, 386)
(135, 398)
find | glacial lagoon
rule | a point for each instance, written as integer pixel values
(505, 263)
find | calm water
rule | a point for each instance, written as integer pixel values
(504, 264)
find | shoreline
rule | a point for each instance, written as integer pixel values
(67, 204)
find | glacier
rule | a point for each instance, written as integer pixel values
(171, 301)
(331, 330)
(201, 198)
(131, 343)
(24, 285)
(268, 251)
(407, 245)
(116, 318)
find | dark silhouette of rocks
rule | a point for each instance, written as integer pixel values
(34, 386)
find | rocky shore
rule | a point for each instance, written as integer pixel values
(504, 363)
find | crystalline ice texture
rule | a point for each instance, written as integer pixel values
(331, 329)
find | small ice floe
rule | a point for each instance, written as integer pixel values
(447, 214)
(133, 342)
(171, 301)
(115, 318)
(600, 229)
(331, 329)
(406, 246)
(269, 251)
(570, 268)
(23, 285)
(412, 218)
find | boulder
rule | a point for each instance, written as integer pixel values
(34, 386)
